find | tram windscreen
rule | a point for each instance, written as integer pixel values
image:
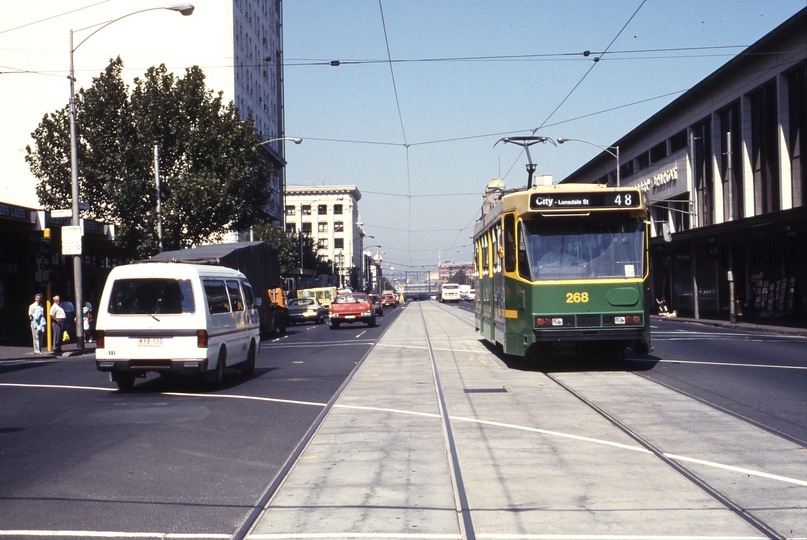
(601, 246)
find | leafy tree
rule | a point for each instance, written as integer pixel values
(214, 175)
(288, 249)
(459, 277)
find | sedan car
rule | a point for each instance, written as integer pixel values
(306, 309)
(351, 308)
(379, 308)
(388, 299)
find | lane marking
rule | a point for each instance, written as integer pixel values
(729, 364)
(632, 448)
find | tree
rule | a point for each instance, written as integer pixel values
(214, 175)
(288, 249)
(459, 277)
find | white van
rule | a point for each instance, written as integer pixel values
(172, 317)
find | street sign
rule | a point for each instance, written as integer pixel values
(71, 240)
(61, 213)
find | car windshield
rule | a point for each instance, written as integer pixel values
(300, 302)
(569, 248)
(350, 298)
(151, 296)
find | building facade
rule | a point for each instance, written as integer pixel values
(238, 43)
(724, 168)
(330, 215)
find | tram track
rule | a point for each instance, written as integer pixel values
(712, 491)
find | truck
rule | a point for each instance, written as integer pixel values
(258, 261)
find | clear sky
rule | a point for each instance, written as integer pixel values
(417, 135)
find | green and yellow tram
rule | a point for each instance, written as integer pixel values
(562, 268)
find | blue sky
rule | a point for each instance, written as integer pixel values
(417, 135)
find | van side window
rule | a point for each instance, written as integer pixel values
(249, 297)
(235, 295)
(216, 292)
(151, 296)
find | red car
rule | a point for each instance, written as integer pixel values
(351, 308)
(388, 300)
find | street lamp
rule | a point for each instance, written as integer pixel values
(184, 9)
(280, 159)
(364, 274)
(608, 149)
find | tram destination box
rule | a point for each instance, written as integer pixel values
(611, 199)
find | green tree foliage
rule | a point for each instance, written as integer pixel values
(288, 249)
(460, 277)
(214, 176)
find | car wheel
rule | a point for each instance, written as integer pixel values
(218, 376)
(125, 381)
(334, 325)
(249, 367)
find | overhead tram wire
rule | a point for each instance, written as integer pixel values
(596, 61)
(52, 17)
(400, 118)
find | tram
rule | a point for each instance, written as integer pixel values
(563, 268)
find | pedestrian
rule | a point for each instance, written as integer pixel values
(87, 321)
(69, 319)
(36, 314)
(57, 317)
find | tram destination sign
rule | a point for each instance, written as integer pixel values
(584, 200)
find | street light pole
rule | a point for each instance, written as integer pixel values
(562, 140)
(78, 278)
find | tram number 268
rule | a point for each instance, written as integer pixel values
(576, 297)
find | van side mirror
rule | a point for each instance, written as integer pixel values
(258, 301)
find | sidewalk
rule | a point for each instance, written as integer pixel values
(26, 352)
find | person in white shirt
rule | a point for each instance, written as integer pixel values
(36, 314)
(57, 317)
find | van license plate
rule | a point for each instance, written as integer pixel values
(150, 342)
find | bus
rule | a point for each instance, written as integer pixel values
(450, 292)
(325, 295)
(563, 269)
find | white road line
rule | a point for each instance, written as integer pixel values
(729, 364)
(457, 418)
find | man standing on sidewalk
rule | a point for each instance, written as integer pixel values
(36, 314)
(57, 316)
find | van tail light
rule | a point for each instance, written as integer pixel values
(99, 339)
(201, 339)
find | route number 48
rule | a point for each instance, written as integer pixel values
(625, 199)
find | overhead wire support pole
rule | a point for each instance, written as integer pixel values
(526, 142)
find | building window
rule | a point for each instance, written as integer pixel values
(305, 228)
(764, 149)
(322, 243)
(702, 169)
(305, 210)
(322, 227)
(732, 176)
(658, 152)
(291, 228)
(338, 226)
(678, 141)
(642, 161)
(290, 210)
(337, 209)
(797, 89)
(338, 243)
(322, 209)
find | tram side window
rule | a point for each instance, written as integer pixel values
(523, 258)
(485, 254)
(496, 237)
(510, 243)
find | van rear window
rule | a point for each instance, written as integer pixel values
(151, 296)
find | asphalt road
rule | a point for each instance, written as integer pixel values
(174, 455)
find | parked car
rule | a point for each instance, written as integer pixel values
(306, 309)
(351, 308)
(376, 300)
(388, 300)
